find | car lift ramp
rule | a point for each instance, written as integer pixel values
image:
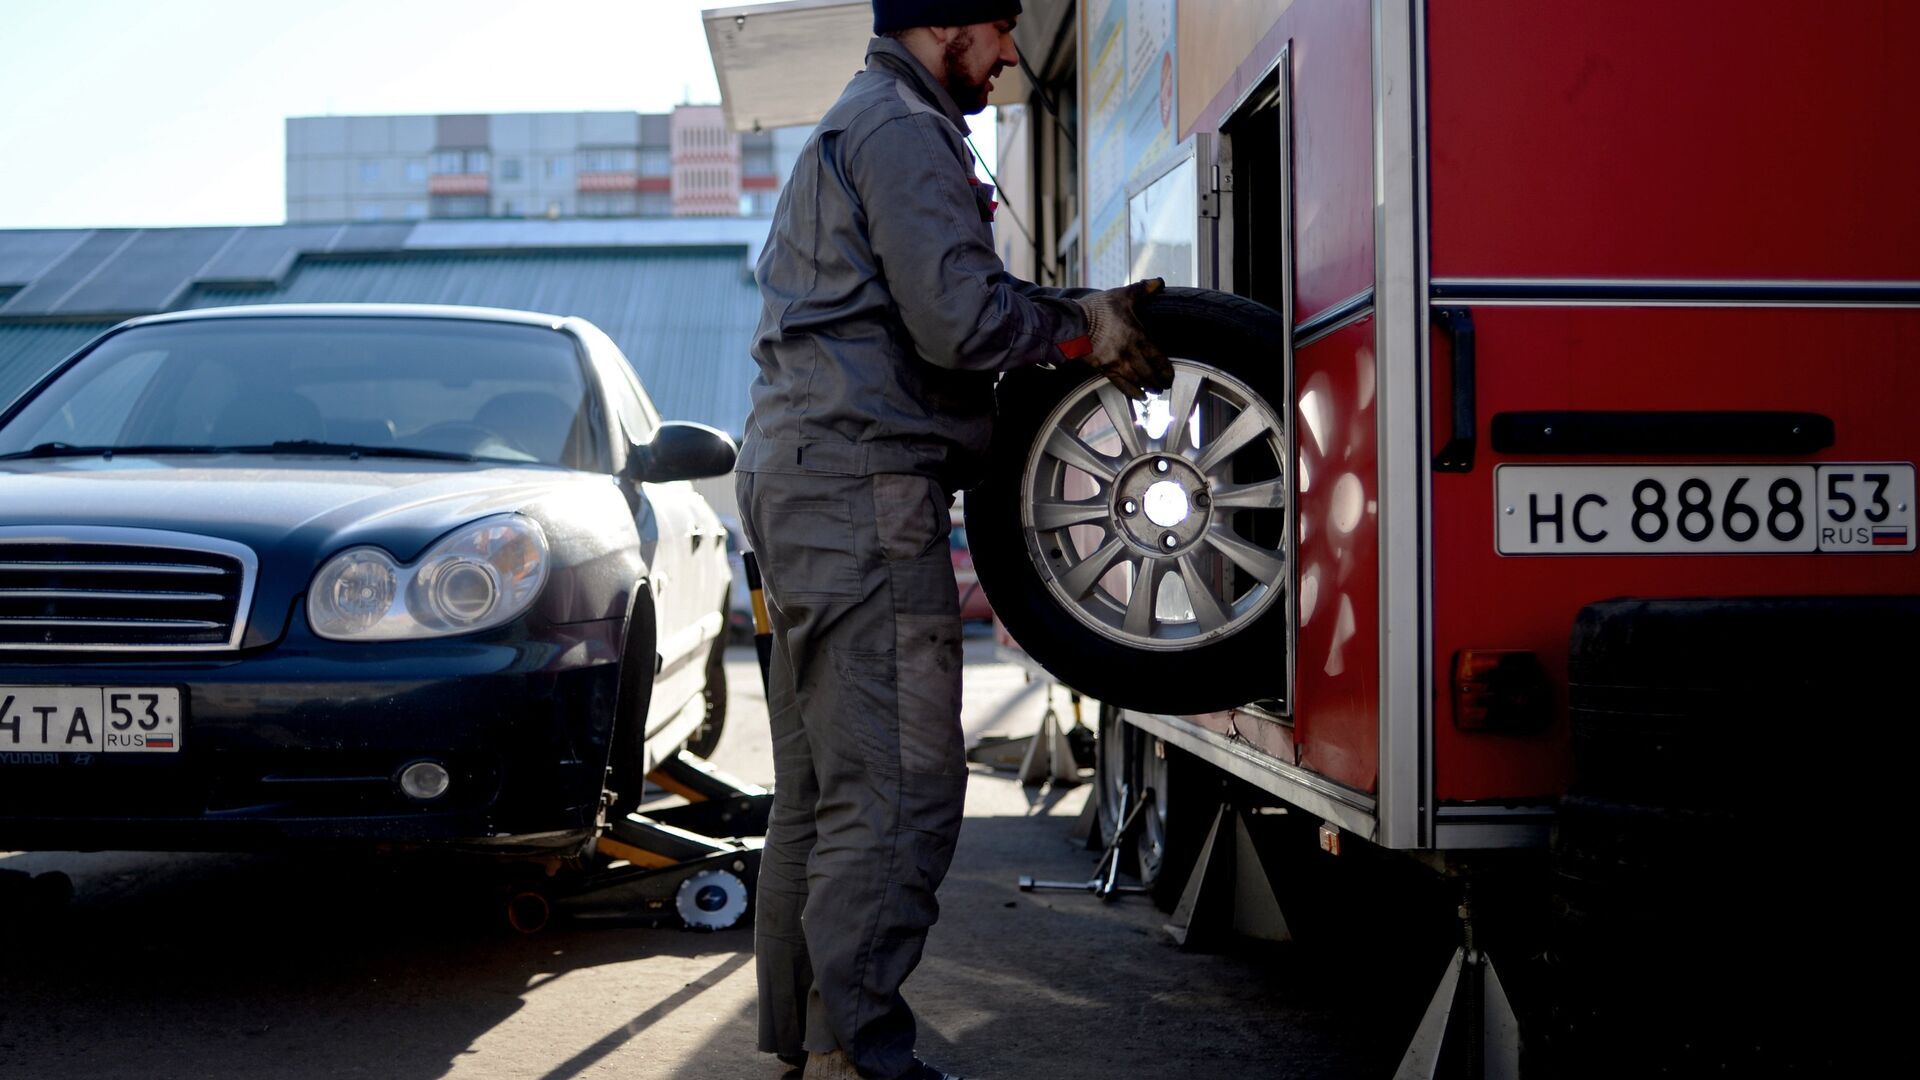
(693, 865)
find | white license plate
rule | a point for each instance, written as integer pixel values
(1703, 509)
(90, 719)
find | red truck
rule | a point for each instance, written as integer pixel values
(1549, 514)
(1533, 510)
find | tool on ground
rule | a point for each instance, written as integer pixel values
(1052, 753)
(1105, 882)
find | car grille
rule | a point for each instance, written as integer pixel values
(79, 595)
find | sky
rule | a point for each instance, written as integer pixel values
(172, 112)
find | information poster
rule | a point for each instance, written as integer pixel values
(1128, 121)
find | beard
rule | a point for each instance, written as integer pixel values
(967, 91)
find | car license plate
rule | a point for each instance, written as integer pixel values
(1703, 509)
(90, 719)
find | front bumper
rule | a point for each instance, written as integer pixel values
(303, 742)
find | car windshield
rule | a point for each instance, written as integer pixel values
(423, 387)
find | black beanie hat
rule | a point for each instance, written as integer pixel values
(891, 15)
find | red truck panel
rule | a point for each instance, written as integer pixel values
(1337, 655)
(1856, 367)
(1646, 138)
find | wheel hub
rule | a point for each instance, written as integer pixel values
(1161, 504)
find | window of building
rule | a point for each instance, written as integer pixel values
(656, 204)
(416, 171)
(508, 208)
(447, 162)
(757, 162)
(458, 206)
(608, 160)
(478, 161)
(609, 204)
(559, 168)
(655, 161)
(416, 211)
(369, 172)
(509, 168)
(367, 211)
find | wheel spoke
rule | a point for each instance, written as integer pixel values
(1186, 390)
(1146, 585)
(1249, 425)
(1206, 609)
(1265, 495)
(1120, 415)
(1068, 448)
(1267, 566)
(1080, 580)
(1059, 514)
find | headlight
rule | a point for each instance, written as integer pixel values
(476, 577)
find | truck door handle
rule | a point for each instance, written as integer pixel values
(1457, 454)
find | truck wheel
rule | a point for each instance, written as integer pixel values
(1184, 795)
(1112, 770)
(1140, 552)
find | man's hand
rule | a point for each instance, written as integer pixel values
(1121, 349)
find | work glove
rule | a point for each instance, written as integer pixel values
(1120, 348)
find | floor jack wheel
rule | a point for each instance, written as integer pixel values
(528, 911)
(711, 900)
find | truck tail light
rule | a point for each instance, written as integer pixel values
(1500, 691)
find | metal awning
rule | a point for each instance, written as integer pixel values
(782, 64)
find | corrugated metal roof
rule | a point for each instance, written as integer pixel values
(684, 316)
(30, 350)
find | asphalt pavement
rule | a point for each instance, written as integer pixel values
(248, 966)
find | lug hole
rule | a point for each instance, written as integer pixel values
(1129, 507)
(1160, 465)
(1202, 500)
(1170, 541)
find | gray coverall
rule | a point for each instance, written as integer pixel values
(887, 316)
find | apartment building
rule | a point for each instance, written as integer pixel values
(533, 165)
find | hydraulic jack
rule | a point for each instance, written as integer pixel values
(692, 865)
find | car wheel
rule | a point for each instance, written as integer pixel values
(626, 761)
(707, 736)
(1139, 552)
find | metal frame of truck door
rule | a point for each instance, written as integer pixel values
(1405, 774)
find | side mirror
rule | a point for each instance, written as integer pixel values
(681, 450)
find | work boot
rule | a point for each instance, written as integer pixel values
(838, 1066)
(831, 1066)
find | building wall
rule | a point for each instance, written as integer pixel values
(706, 163)
(531, 165)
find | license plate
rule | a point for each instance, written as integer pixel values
(1703, 509)
(90, 719)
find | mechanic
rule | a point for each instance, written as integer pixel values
(887, 317)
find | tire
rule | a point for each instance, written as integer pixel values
(1694, 872)
(707, 736)
(1185, 795)
(1112, 769)
(1207, 527)
(626, 758)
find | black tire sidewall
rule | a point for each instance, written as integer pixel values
(1240, 338)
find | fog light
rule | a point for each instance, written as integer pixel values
(424, 781)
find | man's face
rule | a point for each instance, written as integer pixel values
(974, 55)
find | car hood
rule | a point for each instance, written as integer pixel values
(295, 512)
(273, 503)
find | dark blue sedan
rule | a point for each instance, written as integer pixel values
(356, 573)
